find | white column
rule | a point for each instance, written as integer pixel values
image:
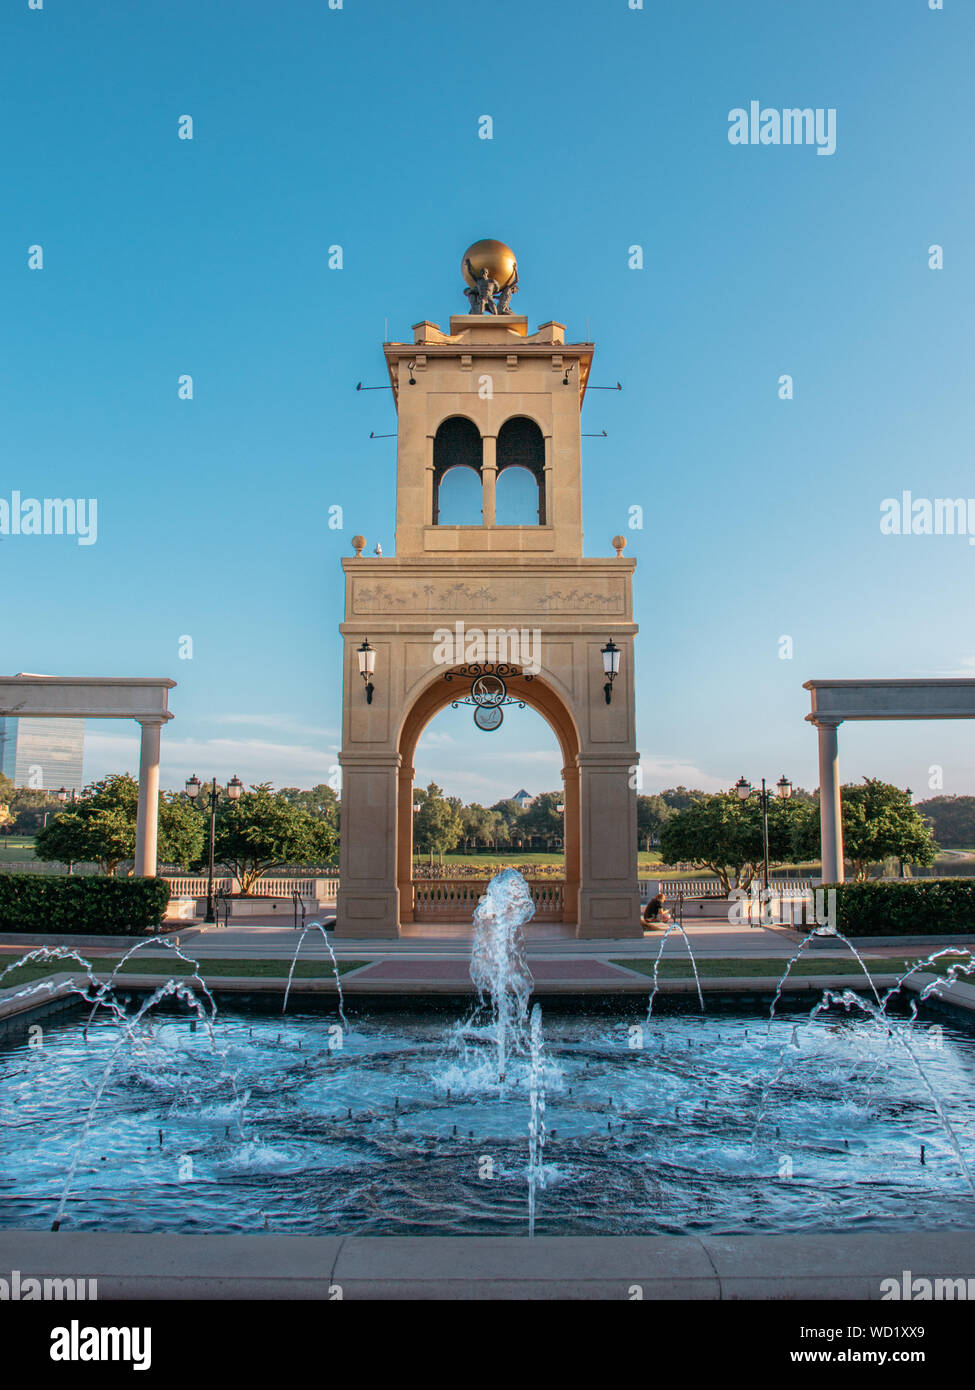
(830, 814)
(147, 824)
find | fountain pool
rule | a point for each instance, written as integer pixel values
(403, 1129)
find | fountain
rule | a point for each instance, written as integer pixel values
(651, 1141)
(317, 926)
(536, 1123)
(499, 966)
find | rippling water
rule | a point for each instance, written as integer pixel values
(405, 1130)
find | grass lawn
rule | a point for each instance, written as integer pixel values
(493, 860)
(173, 966)
(16, 849)
(772, 968)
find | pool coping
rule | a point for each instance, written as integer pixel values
(58, 988)
(831, 1266)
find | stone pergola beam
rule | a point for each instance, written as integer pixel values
(145, 700)
(899, 699)
(836, 701)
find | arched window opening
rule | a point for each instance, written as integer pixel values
(457, 450)
(521, 448)
(458, 500)
(518, 499)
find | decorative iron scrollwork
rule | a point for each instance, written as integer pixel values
(485, 668)
(488, 691)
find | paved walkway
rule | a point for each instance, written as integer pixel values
(707, 939)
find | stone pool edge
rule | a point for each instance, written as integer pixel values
(830, 1267)
(958, 995)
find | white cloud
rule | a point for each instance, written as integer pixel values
(660, 772)
(253, 760)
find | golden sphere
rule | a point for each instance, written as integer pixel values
(494, 257)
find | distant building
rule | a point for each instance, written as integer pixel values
(522, 798)
(43, 753)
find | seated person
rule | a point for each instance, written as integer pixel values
(655, 914)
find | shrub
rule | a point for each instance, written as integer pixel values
(85, 906)
(925, 907)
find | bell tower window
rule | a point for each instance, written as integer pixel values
(521, 473)
(457, 455)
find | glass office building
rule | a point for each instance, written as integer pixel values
(43, 753)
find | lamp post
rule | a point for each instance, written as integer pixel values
(367, 665)
(783, 790)
(234, 789)
(611, 667)
(418, 806)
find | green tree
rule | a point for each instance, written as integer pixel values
(723, 834)
(29, 806)
(880, 821)
(679, 798)
(100, 828)
(510, 823)
(952, 819)
(181, 836)
(438, 824)
(479, 825)
(262, 831)
(651, 813)
(541, 821)
(320, 800)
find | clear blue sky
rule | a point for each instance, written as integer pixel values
(359, 127)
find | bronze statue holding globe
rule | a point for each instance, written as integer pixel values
(491, 272)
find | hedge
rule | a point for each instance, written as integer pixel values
(926, 907)
(85, 906)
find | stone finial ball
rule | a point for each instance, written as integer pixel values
(358, 544)
(494, 257)
(619, 544)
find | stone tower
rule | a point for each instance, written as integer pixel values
(487, 396)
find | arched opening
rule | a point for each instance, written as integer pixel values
(458, 498)
(521, 447)
(518, 498)
(545, 701)
(457, 450)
